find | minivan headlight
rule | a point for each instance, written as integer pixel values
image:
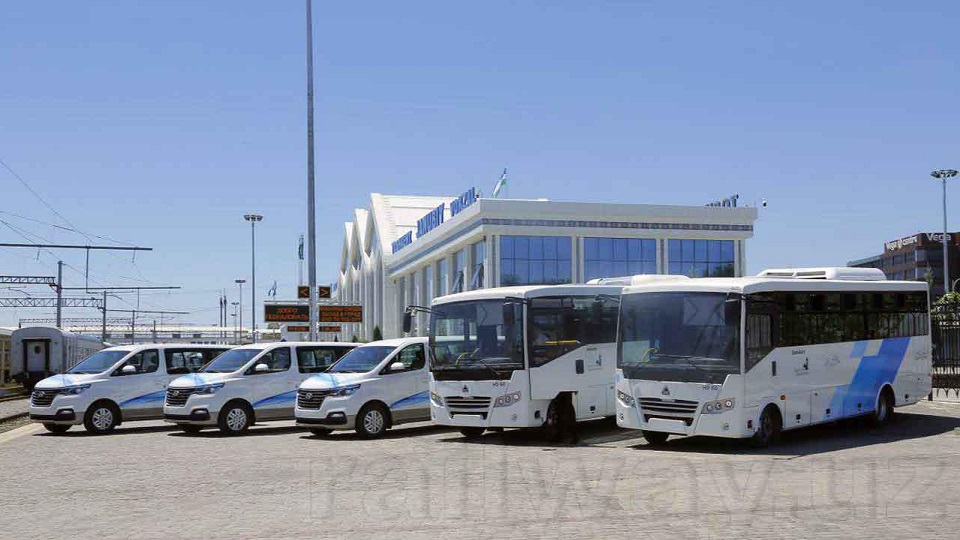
(345, 391)
(208, 388)
(74, 390)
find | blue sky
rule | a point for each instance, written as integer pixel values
(160, 124)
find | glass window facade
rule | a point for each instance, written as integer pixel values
(459, 271)
(614, 257)
(442, 276)
(701, 258)
(478, 253)
(532, 260)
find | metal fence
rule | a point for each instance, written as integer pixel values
(945, 334)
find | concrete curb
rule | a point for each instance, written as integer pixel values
(14, 417)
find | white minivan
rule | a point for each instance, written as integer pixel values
(247, 384)
(115, 385)
(374, 387)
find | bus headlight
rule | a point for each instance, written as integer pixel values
(719, 406)
(437, 400)
(507, 399)
(625, 399)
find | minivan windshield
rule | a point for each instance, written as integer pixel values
(230, 361)
(361, 359)
(679, 336)
(98, 362)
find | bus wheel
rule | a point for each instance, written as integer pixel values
(561, 420)
(654, 438)
(884, 411)
(472, 432)
(768, 430)
(56, 428)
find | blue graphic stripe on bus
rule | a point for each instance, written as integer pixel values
(858, 349)
(146, 398)
(872, 372)
(415, 399)
(277, 399)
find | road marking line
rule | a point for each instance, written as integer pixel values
(22, 431)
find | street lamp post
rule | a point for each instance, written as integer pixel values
(253, 219)
(944, 174)
(240, 282)
(236, 332)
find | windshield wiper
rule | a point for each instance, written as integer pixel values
(486, 365)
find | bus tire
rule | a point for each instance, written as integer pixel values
(320, 431)
(101, 417)
(56, 428)
(768, 427)
(561, 420)
(235, 418)
(472, 433)
(372, 421)
(883, 413)
(654, 438)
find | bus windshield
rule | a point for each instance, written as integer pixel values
(98, 362)
(476, 340)
(679, 336)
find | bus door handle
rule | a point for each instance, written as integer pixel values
(579, 367)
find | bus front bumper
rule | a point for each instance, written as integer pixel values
(726, 424)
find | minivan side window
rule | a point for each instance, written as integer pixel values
(277, 360)
(145, 362)
(412, 357)
(316, 359)
(180, 361)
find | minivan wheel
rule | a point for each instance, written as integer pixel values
(235, 419)
(101, 418)
(56, 428)
(372, 421)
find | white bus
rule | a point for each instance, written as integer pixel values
(751, 357)
(529, 356)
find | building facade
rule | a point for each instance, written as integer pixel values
(406, 250)
(918, 257)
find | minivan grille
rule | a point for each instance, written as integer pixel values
(43, 398)
(177, 397)
(311, 399)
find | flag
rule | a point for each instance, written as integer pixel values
(500, 184)
(273, 290)
(300, 248)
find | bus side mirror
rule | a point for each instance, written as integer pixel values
(509, 316)
(407, 321)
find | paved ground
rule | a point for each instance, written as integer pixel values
(12, 407)
(147, 481)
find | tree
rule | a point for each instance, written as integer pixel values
(377, 334)
(354, 339)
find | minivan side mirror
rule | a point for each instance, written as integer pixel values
(261, 368)
(407, 321)
(397, 366)
(128, 369)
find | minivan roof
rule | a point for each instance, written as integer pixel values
(140, 346)
(266, 344)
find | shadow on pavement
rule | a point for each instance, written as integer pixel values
(259, 430)
(842, 435)
(592, 433)
(79, 431)
(393, 433)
